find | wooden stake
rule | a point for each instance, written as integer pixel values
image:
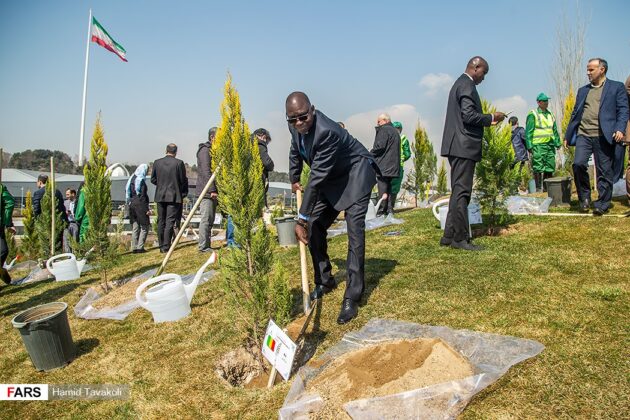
(187, 221)
(306, 300)
(52, 207)
(305, 287)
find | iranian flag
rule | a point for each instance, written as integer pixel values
(102, 38)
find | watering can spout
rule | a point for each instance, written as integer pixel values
(81, 264)
(190, 288)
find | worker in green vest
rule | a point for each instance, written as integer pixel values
(6, 222)
(80, 214)
(542, 140)
(405, 154)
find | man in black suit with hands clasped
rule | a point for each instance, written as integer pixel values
(461, 143)
(343, 174)
(169, 177)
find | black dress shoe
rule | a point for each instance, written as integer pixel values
(465, 245)
(585, 206)
(140, 251)
(320, 291)
(349, 310)
(444, 241)
(599, 212)
(5, 276)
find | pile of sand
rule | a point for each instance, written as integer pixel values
(386, 369)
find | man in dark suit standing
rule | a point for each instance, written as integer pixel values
(342, 177)
(169, 177)
(386, 152)
(461, 143)
(597, 123)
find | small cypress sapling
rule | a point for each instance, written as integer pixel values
(255, 290)
(495, 176)
(29, 246)
(424, 165)
(442, 184)
(98, 205)
(43, 226)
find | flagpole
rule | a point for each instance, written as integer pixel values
(87, 60)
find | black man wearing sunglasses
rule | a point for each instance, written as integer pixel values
(342, 176)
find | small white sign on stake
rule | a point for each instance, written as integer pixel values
(279, 349)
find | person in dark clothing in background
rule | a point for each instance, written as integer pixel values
(386, 151)
(518, 143)
(42, 180)
(138, 199)
(209, 202)
(263, 138)
(169, 178)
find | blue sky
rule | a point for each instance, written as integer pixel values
(354, 59)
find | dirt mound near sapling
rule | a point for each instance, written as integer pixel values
(387, 369)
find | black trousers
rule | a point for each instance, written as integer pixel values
(462, 173)
(168, 214)
(384, 185)
(620, 155)
(604, 155)
(323, 216)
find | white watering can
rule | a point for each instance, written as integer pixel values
(371, 211)
(440, 210)
(65, 267)
(170, 300)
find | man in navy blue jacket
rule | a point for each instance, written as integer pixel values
(342, 176)
(598, 121)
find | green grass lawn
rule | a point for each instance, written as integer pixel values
(563, 281)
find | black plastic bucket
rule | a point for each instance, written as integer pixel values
(46, 335)
(559, 189)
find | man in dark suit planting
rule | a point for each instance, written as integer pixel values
(342, 176)
(461, 144)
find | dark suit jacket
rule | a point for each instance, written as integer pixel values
(463, 129)
(169, 177)
(613, 111)
(341, 168)
(386, 150)
(59, 199)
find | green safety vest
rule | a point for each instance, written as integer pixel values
(543, 131)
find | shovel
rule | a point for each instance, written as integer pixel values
(308, 305)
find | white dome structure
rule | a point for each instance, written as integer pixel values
(117, 170)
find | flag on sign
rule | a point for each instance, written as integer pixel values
(102, 38)
(271, 343)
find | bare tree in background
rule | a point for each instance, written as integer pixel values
(567, 73)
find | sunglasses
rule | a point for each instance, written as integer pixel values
(300, 118)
